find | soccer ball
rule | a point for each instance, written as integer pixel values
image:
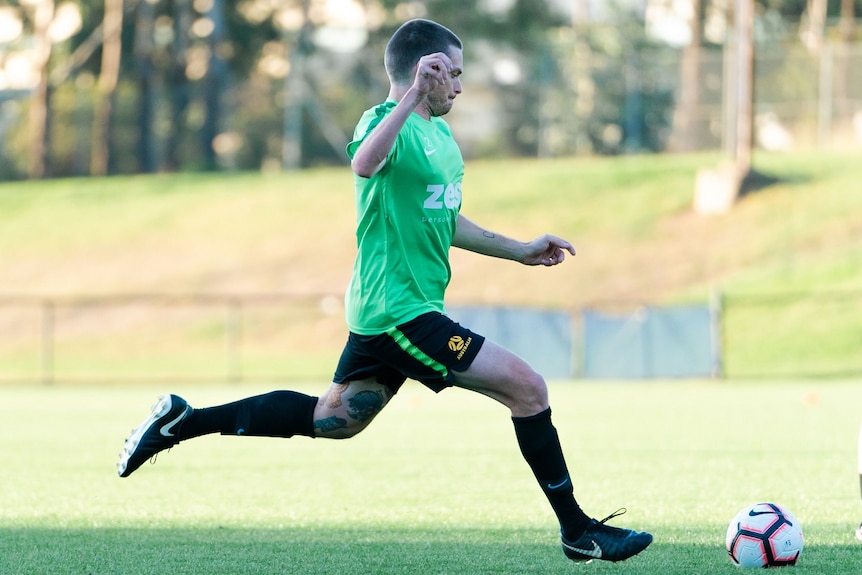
(764, 535)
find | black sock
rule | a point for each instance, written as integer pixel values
(275, 414)
(540, 446)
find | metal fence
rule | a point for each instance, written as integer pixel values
(280, 337)
(803, 99)
(153, 337)
(573, 99)
(652, 342)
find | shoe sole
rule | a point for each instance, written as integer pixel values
(160, 409)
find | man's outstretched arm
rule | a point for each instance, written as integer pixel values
(546, 250)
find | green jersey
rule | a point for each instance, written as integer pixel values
(406, 216)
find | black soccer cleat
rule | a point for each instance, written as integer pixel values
(157, 433)
(607, 543)
(859, 532)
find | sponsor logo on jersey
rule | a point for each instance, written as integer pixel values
(443, 196)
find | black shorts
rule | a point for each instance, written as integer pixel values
(428, 349)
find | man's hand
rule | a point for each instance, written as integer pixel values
(547, 250)
(431, 71)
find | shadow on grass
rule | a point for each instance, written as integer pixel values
(755, 181)
(312, 551)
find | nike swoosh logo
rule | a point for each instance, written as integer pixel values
(595, 552)
(166, 428)
(558, 485)
(754, 513)
(428, 147)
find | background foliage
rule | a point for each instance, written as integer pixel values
(249, 84)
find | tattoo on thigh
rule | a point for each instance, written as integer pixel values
(330, 424)
(365, 405)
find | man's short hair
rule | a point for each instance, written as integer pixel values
(412, 40)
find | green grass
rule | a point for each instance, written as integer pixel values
(435, 485)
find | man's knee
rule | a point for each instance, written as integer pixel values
(533, 394)
(348, 408)
(335, 427)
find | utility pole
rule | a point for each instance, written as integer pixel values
(744, 92)
(716, 190)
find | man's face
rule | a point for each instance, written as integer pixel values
(441, 98)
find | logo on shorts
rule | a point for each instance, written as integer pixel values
(459, 345)
(456, 343)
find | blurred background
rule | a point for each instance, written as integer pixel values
(98, 87)
(175, 201)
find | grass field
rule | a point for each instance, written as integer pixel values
(435, 486)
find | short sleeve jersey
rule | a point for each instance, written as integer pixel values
(406, 216)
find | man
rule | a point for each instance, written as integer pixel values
(408, 172)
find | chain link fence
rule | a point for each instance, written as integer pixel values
(608, 95)
(281, 337)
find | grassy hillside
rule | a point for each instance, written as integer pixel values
(630, 219)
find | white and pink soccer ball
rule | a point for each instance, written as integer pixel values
(764, 535)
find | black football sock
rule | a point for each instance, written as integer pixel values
(275, 414)
(540, 446)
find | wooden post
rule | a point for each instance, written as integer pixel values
(233, 340)
(716, 313)
(47, 342)
(744, 85)
(716, 190)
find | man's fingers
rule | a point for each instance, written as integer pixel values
(436, 66)
(562, 244)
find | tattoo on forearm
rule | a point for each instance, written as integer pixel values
(364, 405)
(330, 424)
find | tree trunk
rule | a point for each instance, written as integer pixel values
(716, 191)
(843, 60)
(848, 21)
(107, 87)
(814, 25)
(179, 83)
(43, 14)
(744, 85)
(684, 134)
(215, 82)
(294, 94)
(144, 29)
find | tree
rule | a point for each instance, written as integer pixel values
(843, 59)
(43, 13)
(144, 30)
(743, 87)
(716, 191)
(684, 133)
(216, 80)
(107, 87)
(814, 25)
(178, 81)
